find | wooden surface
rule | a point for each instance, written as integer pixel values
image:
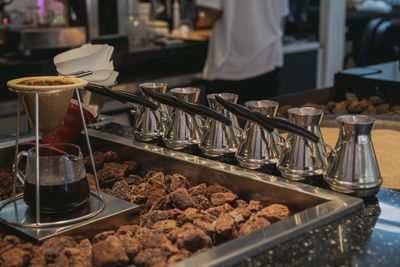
(387, 148)
(196, 35)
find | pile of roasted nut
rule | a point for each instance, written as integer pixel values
(178, 220)
(352, 105)
(6, 185)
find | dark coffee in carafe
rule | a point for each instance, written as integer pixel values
(58, 198)
(63, 185)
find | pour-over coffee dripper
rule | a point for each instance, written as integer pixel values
(46, 100)
(53, 104)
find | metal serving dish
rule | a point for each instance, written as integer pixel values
(311, 206)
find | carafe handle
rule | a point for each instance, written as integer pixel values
(17, 172)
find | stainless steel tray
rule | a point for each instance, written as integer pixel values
(311, 206)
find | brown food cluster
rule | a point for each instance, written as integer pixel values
(6, 185)
(352, 105)
(44, 82)
(57, 251)
(177, 220)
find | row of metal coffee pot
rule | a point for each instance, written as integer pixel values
(350, 167)
(176, 123)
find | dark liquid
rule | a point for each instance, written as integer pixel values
(58, 198)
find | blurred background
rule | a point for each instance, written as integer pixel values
(167, 40)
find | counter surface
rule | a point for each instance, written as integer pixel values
(369, 237)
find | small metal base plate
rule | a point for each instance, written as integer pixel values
(114, 208)
(297, 175)
(15, 211)
(351, 189)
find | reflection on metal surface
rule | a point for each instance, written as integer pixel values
(340, 237)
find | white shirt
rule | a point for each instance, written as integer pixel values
(246, 40)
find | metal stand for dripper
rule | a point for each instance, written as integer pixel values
(12, 206)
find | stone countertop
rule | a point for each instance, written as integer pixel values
(369, 237)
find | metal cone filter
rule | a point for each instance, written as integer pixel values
(55, 94)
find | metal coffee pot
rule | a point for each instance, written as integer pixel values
(219, 139)
(301, 157)
(149, 123)
(269, 124)
(258, 147)
(182, 130)
(183, 126)
(353, 166)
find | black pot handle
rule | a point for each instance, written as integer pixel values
(284, 125)
(122, 97)
(161, 98)
(242, 112)
(138, 99)
(203, 111)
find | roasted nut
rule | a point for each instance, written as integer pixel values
(98, 161)
(225, 225)
(165, 226)
(274, 212)
(110, 156)
(191, 238)
(217, 211)
(383, 108)
(376, 100)
(340, 108)
(351, 97)
(15, 257)
(111, 173)
(216, 188)
(122, 190)
(178, 181)
(252, 225)
(132, 167)
(181, 199)
(218, 199)
(102, 236)
(109, 252)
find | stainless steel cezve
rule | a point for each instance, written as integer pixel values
(220, 139)
(258, 147)
(301, 157)
(183, 129)
(353, 166)
(150, 124)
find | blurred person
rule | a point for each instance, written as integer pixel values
(245, 50)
